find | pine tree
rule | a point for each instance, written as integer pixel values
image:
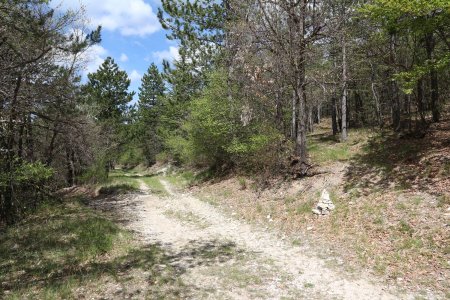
(150, 93)
(151, 88)
(108, 92)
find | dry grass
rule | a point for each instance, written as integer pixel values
(392, 205)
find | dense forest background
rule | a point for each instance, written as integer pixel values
(252, 81)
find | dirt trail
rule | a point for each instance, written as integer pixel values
(243, 262)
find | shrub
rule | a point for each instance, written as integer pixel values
(22, 187)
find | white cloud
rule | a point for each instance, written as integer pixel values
(170, 55)
(131, 17)
(93, 58)
(123, 57)
(135, 76)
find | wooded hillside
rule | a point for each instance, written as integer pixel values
(252, 81)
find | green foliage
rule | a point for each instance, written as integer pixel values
(131, 157)
(152, 87)
(108, 92)
(409, 79)
(416, 15)
(27, 173)
(108, 98)
(149, 108)
(211, 120)
(155, 185)
(215, 133)
(96, 172)
(198, 25)
(418, 18)
(23, 187)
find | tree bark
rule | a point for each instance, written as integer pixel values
(396, 115)
(334, 122)
(30, 141)
(300, 146)
(300, 72)
(393, 90)
(434, 101)
(420, 104)
(319, 111)
(70, 155)
(344, 93)
(294, 116)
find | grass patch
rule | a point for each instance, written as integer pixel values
(42, 257)
(119, 183)
(338, 152)
(155, 185)
(289, 200)
(417, 200)
(188, 217)
(181, 180)
(324, 148)
(210, 199)
(242, 183)
(67, 249)
(120, 188)
(443, 200)
(404, 227)
(296, 242)
(304, 208)
(237, 275)
(411, 243)
(242, 277)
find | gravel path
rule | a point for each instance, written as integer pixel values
(243, 262)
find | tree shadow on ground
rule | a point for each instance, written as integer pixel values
(388, 161)
(114, 189)
(74, 249)
(116, 206)
(325, 138)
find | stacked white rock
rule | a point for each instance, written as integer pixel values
(325, 205)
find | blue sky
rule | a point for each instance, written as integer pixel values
(131, 34)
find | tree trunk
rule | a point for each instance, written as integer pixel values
(393, 90)
(395, 107)
(294, 116)
(319, 111)
(359, 107)
(376, 98)
(434, 101)
(435, 109)
(300, 145)
(377, 106)
(334, 122)
(8, 196)
(344, 93)
(70, 155)
(310, 120)
(30, 142)
(420, 104)
(51, 147)
(21, 138)
(279, 111)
